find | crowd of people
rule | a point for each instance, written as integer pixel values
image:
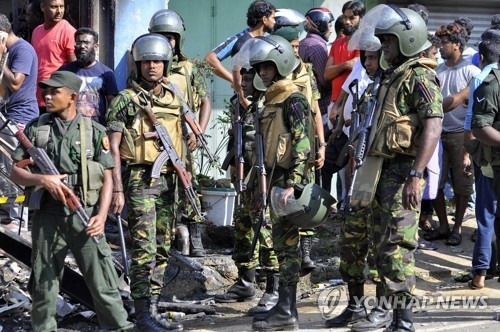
(404, 119)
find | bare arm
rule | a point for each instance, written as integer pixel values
(332, 71)
(218, 68)
(321, 135)
(97, 222)
(488, 135)
(453, 101)
(51, 183)
(12, 81)
(118, 198)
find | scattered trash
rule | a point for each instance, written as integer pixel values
(336, 282)
(63, 307)
(11, 309)
(87, 314)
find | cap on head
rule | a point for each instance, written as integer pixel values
(168, 21)
(60, 79)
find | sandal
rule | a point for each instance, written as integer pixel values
(426, 245)
(454, 239)
(472, 286)
(436, 235)
(464, 277)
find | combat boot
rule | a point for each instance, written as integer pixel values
(270, 297)
(144, 321)
(379, 317)
(242, 290)
(402, 321)
(195, 243)
(354, 312)
(283, 316)
(307, 264)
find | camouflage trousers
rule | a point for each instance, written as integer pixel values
(245, 220)
(356, 247)
(151, 212)
(396, 228)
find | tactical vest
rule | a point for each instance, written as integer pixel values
(181, 75)
(91, 177)
(302, 80)
(134, 148)
(277, 137)
(398, 133)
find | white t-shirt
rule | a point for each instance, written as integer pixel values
(358, 72)
(454, 79)
(468, 53)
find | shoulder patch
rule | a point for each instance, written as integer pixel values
(105, 142)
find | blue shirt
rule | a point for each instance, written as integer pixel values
(475, 83)
(22, 106)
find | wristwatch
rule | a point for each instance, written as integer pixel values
(323, 144)
(415, 174)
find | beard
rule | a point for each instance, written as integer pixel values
(85, 59)
(349, 31)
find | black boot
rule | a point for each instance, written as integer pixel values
(242, 290)
(283, 316)
(379, 317)
(195, 243)
(270, 297)
(353, 312)
(144, 321)
(402, 321)
(307, 264)
(155, 315)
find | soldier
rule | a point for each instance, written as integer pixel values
(150, 205)
(285, 118)
(191, 82)
(247, 217)
(409, 100)
(61, 132)
(289, 25)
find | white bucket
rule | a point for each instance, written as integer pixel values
(218, 203)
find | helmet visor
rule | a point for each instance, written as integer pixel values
(254, 51)
(379, 17)
(282, 209)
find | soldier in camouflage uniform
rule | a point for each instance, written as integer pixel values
(284, 123)
(409, 101)
(150, 204)
(246, 218)
(66, 135)
(191, 82)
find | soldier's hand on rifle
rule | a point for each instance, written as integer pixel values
(53, 184)
(96, 225)
(321, 157)
(411, 193)
(117, 202)
(192, 142)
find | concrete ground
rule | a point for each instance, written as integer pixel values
(435, 271)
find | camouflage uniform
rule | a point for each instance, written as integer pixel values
(247, 217)
(150, 208)
(395, 226)
(286, 236)
(199, 90)
(57, 230)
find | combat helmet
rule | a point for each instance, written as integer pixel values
(309, 210)
(275, 49)
(289, 24)
(152, 46)
(168, 21)
(410, 30)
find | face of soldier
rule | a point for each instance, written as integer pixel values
(172, 39)
(247, 84)
(390, 48)
(268, 72)
(58, 99)
(85, 49)
(269, 22)
(371, 62)
(152, 70)
(295, 45)
(448, 48)
(53, 11)
(432, 53)
(351, 22)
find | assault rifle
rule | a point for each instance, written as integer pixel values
(168, 153)
(236, 153)
(192, 122)
(362, 134)
(262, 178)
(39, 157)
(319, 178)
